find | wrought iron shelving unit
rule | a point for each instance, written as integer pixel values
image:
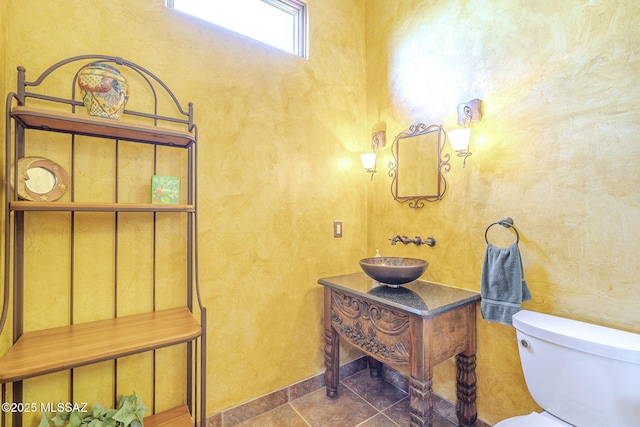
(31, 110)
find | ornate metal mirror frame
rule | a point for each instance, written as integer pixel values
(421, 177)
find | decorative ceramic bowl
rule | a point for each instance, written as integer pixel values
(104, 90)
(393, 271)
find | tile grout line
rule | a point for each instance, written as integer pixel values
(299, 414)
(291, 393)
(225, 413)
(290, 401)
(357, 394)
(365, 399)
(378, 411)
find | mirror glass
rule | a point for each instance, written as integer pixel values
(40, 180)
(418, 165)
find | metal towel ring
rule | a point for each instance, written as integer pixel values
(505, 222)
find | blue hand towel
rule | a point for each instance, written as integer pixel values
(503, 287)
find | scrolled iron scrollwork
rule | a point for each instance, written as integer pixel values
(416, 201)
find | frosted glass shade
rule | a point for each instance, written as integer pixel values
(368, 160)
(459, 139)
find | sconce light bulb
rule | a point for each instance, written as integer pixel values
(459, 139)
(368, 160)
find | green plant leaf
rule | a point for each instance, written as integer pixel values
(75, 419)
(129, 413)
(46, 420)
(60, 418)
(125, 413)
(97, 410)
(139, 409)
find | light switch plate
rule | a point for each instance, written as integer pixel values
(337, 229)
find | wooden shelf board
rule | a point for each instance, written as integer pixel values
(56, 349)
(176, 417)
(34, 118)
(25, 205)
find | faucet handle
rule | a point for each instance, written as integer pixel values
(429, 241)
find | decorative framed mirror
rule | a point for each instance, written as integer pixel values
(419, 165)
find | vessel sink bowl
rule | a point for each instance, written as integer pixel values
(393, 271)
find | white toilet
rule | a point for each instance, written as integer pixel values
(581, 374)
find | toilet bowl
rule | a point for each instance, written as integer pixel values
(581, 374)
(534, 419)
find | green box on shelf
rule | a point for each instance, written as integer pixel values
(165, 189)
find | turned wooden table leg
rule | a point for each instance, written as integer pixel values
(466, 410)
(466, 389)
(375, 368)
(331, 350)
(420, 402)
(421, 373)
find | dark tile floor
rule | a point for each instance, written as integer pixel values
(362, 401)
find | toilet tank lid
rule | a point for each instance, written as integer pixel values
(587, 337)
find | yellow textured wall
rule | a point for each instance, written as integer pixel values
(556, 151)
(3, 44)
(279, 145)
(280, 138)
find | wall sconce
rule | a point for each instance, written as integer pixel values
(369, 162)
(469, 112)
(378, 141)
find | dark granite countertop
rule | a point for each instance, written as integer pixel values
(422, 298)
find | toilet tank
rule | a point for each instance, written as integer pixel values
(584, 374)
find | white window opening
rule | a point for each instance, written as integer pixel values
(279, 23)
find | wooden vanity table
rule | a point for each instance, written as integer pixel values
(418, 325)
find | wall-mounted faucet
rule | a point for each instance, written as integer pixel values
(430, 241)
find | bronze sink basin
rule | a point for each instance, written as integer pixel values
(393, 271)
